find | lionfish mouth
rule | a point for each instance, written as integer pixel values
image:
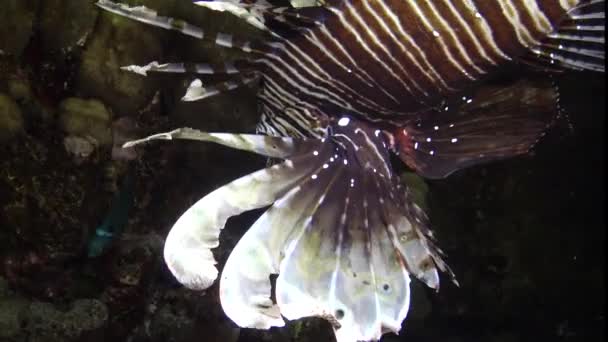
(341, 232)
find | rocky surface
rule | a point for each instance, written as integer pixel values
(18, 19)
(11, 119)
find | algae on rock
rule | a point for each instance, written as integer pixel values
(80, 117)
(17, 18)
(118, 42)
(11, 119)
(66, 24)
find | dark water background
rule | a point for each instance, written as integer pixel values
(525, 237)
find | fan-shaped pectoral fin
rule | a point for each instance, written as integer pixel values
(342, 264)
(245, 287)
(188, 246)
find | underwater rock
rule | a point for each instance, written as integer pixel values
(17, 18)
(80, 147)
(46, 204)
(22, 320)
(4, 290)
(118, 42)
(123, 130)
(133, 261)
(181, 315)
(12, 311)
(80, 117)
(45, 322)
(19, 89)
(28, 91)
(11, 119)
(65, 25)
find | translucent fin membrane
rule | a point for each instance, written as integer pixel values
(341, 232)
(497, 122)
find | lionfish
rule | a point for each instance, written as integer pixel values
(345, 84)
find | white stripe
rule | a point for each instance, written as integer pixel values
(284, 96)
(364, 45)
(327, 34)
(377, 41)
(269, 95)
(486, 30)
(433, 78)
(387, 169)
(442, 44)
(469, 31)
(302, 66)
(312, 37)
(538, 16)
(568, 4)
(427, 65)
(230, 68)
(331, 81)
(510, 12)
(447, 27)
(296, 85)
(224, 39)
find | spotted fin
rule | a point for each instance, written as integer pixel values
(188, 245)
(341, 232)
(578, 43)
(497, 122)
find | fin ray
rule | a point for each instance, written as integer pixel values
(270, 146)
(188, 246)
(148, 16)
(578, 43)
(499, 122)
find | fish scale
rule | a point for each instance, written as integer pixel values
(344, 84)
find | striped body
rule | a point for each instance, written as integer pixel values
(381, 59)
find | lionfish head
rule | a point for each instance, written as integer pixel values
(341, 233)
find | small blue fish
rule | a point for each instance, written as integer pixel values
(116, 220)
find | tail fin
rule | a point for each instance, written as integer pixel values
(496, 123)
